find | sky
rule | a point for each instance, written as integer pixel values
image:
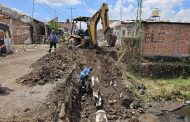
(44, 10)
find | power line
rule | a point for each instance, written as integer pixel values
(32, 8)
(55, 11)
(47, 9)
(39, 1)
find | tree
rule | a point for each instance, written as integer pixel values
(54, 26)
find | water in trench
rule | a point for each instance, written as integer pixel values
(184, 112)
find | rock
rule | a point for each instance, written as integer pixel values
(124, 115)
(140, 110)
(111, 102)
(135, 104)
(41, 82)
(83, 99)
(141, 92)
(22, 81)
(27, 109)
(62, 113)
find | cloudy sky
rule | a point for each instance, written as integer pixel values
(172, 10)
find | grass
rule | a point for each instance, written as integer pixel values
(163, 89)
(177, 88)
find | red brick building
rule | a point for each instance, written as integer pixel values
(159, 38)
(20, 31)
(166, 39)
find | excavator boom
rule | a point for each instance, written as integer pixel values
(92, 26)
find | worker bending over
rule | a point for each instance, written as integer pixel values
(84, 77)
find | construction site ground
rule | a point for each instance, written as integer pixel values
(38, 86)
(16, 99)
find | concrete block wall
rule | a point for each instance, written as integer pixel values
(166, 39)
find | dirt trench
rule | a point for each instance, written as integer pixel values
(64, 102)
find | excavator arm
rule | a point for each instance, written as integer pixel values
(92, 25)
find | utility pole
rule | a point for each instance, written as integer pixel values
(55, 14)
(32, 9)
(121, 16)
(71, 8)
(138, 23)
(33, 22)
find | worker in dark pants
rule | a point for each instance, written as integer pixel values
(84, 77)
(53, 40)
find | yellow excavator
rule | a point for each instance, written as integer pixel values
(88, 38)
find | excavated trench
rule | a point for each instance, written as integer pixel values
(63, 67)
(67, 104)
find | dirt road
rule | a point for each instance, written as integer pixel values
(15, 97)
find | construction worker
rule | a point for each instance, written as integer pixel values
(53, 40)
(87, 39)
(84, 77)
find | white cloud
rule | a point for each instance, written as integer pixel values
(128, 12)
(182, 15)
(36, 14)
(60, 2)
(91, 11)
(166, 7)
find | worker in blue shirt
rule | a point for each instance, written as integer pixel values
(84, 75)
(53, 40)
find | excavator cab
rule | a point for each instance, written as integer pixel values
(80, 37)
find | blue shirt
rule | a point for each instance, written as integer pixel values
(85, 72)
(52, 38)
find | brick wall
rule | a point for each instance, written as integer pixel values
(166, 39)
(20, 32)
(184, 39)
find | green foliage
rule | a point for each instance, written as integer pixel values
(54, 26)
(163, 89)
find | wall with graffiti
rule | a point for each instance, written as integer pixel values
(171, 39)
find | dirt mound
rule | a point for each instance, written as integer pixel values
(49, 68)
(54, 66)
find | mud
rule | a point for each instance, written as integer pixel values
(64, 102)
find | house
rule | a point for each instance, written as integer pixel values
(39, 29)
(20, 31)
(67, 26)
(23, 28)
(158, 38)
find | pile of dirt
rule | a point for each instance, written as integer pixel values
(117, 100)
(49, 68)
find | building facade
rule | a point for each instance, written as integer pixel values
(158, 38)
(20, 31)
(166, 38)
